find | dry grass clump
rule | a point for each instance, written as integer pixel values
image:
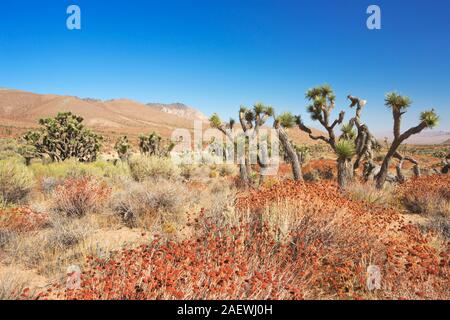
(139, 203)
(78, 197)
(16, 182)
(427, 195)
(432, 203)
(14, 285)
(367, 192)
(48, 250)
(145, 167)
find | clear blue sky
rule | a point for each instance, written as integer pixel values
(218, 54)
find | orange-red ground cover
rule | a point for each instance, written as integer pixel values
(330, 246)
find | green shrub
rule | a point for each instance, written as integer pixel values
(74, 169)
(9, 148)
(144, 167)
(16, 181)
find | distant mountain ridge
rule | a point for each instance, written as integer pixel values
(179, 109)
(425, 137)
(22, 110)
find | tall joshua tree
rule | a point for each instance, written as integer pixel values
(365, 142)
(399, 105)
(322, 100)
(282, 122)
(227, 130)
(251, 121)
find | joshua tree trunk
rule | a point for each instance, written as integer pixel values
(293, 157)
(243, 171)
(345, 172)
(398, 139)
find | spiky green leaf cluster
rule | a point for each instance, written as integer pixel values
(348, 132)
(345, 149)
(215, 121)
(397, 101)
(430, 117)
(322, 98)
(287, 120)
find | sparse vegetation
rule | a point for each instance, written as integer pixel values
(16, 182)
(286, 239)
(144, 167)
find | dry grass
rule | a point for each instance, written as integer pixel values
(367, 192)
(145, 167)
(16, 182)
(155, 200)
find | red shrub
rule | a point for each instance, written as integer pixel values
(21, 219)
(78, 197)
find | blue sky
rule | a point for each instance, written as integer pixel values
(218, 54)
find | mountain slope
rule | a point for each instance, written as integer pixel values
(22, 110)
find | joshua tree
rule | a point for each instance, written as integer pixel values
(251, 121)
(283, 121)
(322, 103)
(123, 148)
(227, 130)
(399, 104)
(153, 145)
(365, 142)
(64, 137)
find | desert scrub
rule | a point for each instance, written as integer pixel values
(142, 203)
(144, 167)
(14, 285)
(226, 170)
(16, 182)
(9, 148)
(52, 249)
(72, 168)
(367, 192)
(78, 197)
(427, 195)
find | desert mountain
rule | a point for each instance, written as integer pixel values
(179, 109)
(425, 137)
(22, 110)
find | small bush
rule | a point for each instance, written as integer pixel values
(78, 197)
(16, 182)
(226, 170)
(65, 233)
(432, 203)
(144, 167)
(311, 176)
(9, 148)
(143, 201)
(369, 193)
(438, 224)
